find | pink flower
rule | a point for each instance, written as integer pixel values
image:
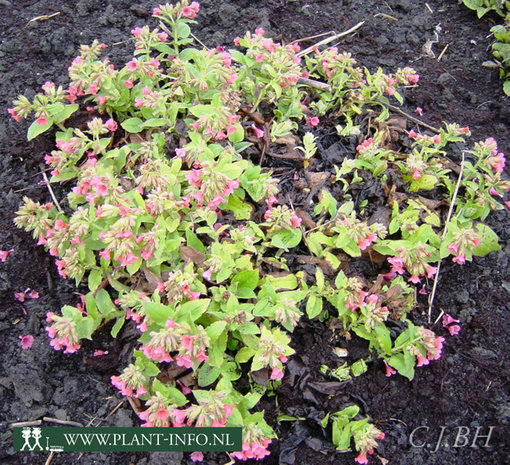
(414, 279)
(4, 254)
(312, 121)
(105, 254)
(389, 370)
(296, 221)
(276, 373)
(259, 58)
(397, 264)
(437, 139)
(184, 361)
(412, 134)
(111, 125)
(507, 203)
(207, 274)
(361, 459)
(271, 200)
(416, 174)
(431, 271)
(42, 120)
(258, 132)
(132, 65)
(129, 83)
(14, 114)
(129, 259)
(33, 294)
(259, 31)
(419, 111)
(447, 321)
(179, 415)
(414, 78)
(136, 31)
(162, 414)
(453, 330)
(194, 178)
(196, 456)
(99, 353)
(156, 11)
(422, 361)
(59, 224)
(26, 341)
(453, 248)
(146, 254)
(93, 88)
(494, 192)
(459, 259)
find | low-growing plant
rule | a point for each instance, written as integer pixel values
(483, 7)
(172, 224)
(501, 33)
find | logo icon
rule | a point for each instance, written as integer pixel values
(31, 433)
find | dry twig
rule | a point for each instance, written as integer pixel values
(412, 118)
(450, 212)
(47, 182)
(42, 18)
(306, 51)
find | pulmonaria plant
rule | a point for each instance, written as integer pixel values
(177, 228)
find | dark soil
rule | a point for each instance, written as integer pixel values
(468, 387)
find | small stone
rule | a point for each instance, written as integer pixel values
(462, 296)
(61, 414)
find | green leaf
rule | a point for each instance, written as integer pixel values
(383, 338)
(244, 355)
(424, 183)
(192, 309)
(132, 125)
(183, 30)
(36, 129)
(489, 241)
(104, 303)
(118, 325)
(90, 306)
(313, 306)
(506, 87)
(94, 279)
(65, 113)
(359, 367)
(208, 375)
(153, 123)
(158, 313)
(286, 238)
(242, 210)
(194, 242)
(247, 281)
(216, 351)
(215, 330)
(403, 363)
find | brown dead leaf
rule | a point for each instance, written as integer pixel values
(190, 255)
(323, 264)
(317, 180)
(305, 217)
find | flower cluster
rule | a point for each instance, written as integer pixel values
(254, 444)
(414, 259)
(62, 333)
(365, 440)
(463, 241)
(132, 382)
